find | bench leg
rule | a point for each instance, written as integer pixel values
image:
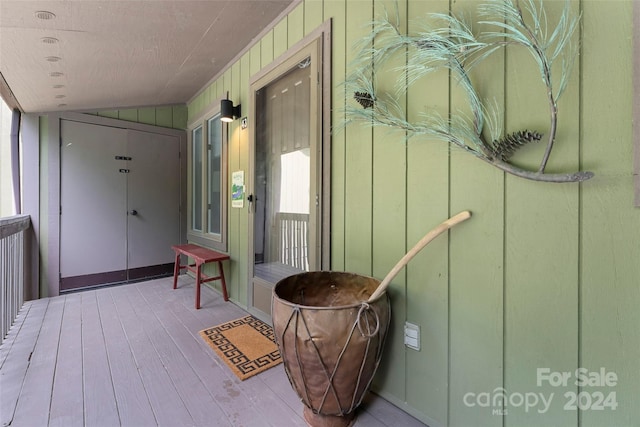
(198, 279)
(176, 270)
(224, 283)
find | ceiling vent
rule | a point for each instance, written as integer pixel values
(56, 74)
(49, 40)
(45, 15)
(53, 58)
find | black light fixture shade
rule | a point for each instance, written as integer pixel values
(229, 112)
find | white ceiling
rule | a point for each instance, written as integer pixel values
(121, 53)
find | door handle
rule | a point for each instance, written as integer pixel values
(250, 199)
(133, 212)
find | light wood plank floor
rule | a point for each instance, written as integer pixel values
(131, 356)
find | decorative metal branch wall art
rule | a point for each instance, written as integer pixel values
(455, 47)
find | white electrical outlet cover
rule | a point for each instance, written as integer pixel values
(412, 336)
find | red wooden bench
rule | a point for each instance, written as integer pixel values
(201, 256)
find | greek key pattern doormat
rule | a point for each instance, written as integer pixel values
(246, 345)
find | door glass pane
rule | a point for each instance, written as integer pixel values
(214, 179)
(283, 176)
(196, 179)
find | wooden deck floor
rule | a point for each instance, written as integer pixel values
(131, 356)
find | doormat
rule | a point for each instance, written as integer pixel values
(246, 345)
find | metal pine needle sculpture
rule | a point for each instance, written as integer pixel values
(455, 47)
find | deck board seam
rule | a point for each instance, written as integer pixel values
(150, 312)
(106, 350)
(106, 298)
(155, 358)
(31, 350)
(133, 356)
(12, 333)
(55, 361)
(39, 360)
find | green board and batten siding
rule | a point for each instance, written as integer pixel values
(542, 275)
(389, 166)
(608, 267)
(171, 116)
(475, 283)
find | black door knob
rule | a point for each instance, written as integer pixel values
(133, 212)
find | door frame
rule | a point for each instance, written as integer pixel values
(322, 37)
(50, 206)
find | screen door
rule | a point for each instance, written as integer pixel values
(285, 199)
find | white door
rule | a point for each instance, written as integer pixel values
(153, 194)
(92, 205)
(120, 204)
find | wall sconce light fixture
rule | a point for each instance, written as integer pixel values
(229, 112)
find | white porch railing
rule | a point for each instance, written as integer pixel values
(12, 269)
(292, 231)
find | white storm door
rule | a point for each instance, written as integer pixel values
(153, 194)
(92, 205)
